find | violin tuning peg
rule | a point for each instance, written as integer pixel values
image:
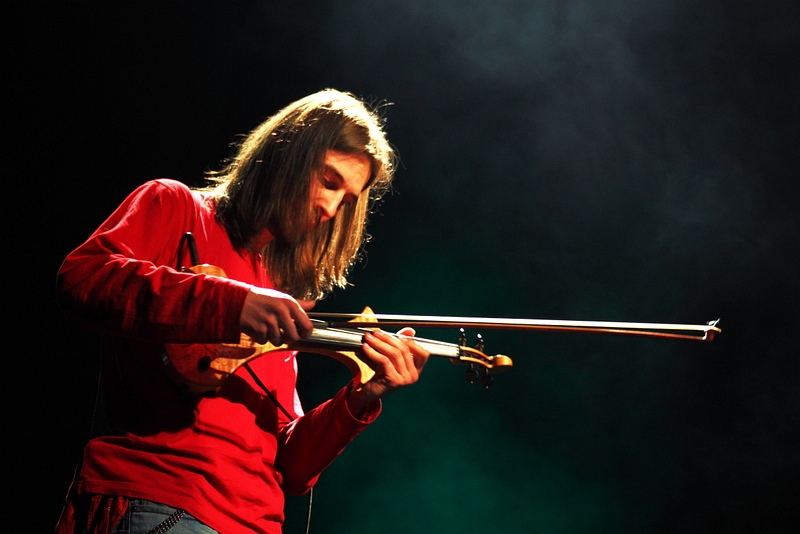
(471, 374)
(486, 380)
(479, 344)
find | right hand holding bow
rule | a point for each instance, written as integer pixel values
(271, 316)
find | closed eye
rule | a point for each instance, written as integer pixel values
(333, 181)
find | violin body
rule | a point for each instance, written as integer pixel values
(204, 367)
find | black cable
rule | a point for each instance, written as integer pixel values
(188, 239)
(267, 391)
(274, 399)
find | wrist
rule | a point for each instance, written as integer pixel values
(358, 400)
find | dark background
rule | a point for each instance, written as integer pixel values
(563, 159)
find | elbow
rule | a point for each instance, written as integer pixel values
(298, 488)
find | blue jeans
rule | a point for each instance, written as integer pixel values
(142, 516)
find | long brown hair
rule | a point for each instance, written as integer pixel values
(266, 184)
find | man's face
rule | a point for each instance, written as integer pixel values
(343, 178)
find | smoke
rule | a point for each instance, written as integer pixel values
(615, 129)
(610, 160)
(618, 160)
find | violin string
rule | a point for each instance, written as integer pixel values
(415, 338)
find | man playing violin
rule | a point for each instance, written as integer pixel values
(284, 220)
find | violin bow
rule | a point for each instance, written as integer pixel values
(700, 332)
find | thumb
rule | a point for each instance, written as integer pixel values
(407, 331)
(307, 305)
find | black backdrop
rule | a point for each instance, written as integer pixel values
(568, 159)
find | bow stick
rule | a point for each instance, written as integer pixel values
(705, 332)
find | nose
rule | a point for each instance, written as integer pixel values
(328, 206)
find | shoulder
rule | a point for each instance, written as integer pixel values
(166, 191)
(165, 186)
(162, 199)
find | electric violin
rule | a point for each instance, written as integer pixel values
(204, 367)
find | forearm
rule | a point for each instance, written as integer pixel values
(125, 279)
(312, 442)
(139, 299)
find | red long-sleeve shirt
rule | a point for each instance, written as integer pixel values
(225, 458)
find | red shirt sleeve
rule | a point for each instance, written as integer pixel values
(301, 458)
(122, 282)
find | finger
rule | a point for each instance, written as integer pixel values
(292, 318)
(416, 356)
(273, 332)
(301, 319)
(396, 348)
(294, 321)
(383, 354)
(419, 355)
(282, 324)
(288, 331)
